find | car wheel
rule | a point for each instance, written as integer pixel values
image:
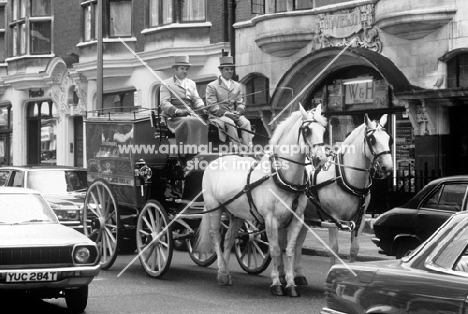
(77, 299)
(404, 249)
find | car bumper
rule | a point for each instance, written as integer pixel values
(66, 278)
(327, 310)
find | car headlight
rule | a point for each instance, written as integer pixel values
(82, 255)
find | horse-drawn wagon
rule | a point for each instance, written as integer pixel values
(142, 195)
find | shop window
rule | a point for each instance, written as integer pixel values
(122, 101)
(42, 132)
(457, 71)
(163, 12)
(257, 6)
(257, 90)
(6, 134)
(37, 38)
(120, 18)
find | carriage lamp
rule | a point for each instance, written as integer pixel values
(81, 255)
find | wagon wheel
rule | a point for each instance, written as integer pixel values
(101, 220)
(205, 259)
(251, 248)
(154, 239)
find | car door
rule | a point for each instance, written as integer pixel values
(447, 199)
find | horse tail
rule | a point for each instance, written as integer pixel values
(204, 243)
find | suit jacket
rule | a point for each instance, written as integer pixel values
(220, 98)
(169, 102)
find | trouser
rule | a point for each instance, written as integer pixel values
(228, 125)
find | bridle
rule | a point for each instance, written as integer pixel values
(370, 141)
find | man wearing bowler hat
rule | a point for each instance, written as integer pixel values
(178, 99)
(225, 102)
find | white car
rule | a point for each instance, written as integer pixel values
(41, 256)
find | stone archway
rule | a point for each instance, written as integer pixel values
(307, 68)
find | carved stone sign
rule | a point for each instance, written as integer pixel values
(341, 25)
(339, 28)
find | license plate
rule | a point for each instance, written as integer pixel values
(31, 276)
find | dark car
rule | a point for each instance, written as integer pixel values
(40, 256)
(402, 229)
(63, 187)
(432, 279)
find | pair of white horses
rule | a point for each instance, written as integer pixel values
(274, 192)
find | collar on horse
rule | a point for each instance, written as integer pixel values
(342, 181)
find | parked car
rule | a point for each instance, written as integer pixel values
(62, 186)
(41, 256)
(432, 279)
(403, 228)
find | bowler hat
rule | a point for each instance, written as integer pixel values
(226, 62)
(181, 61)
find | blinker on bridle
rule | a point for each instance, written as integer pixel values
(370, 140)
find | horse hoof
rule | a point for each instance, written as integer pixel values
(224, 280)
(282, 279)
(301, 281)
(292, 292)
(276, 290)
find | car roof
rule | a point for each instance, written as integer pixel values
(450, 178)
(43, 167)
(17, 190)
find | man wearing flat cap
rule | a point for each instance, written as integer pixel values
(225, 102)
(180, 104)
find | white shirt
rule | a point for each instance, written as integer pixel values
(228, 83)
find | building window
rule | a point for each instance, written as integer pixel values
(120, 18)
(257, 90)
(257, 6)
(122, 101)
(303, 4)
(291, 5)
(6, 134)
(2, 33)
(193, 11)
(89, 20)
(457, 71)
(42, 132)
(163, 12)
(37, 37)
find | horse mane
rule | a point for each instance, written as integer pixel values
(354, 134)
(285, 126)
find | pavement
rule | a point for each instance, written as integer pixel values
(368, 251)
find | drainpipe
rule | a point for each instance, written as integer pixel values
(225, 20)
(232, 37)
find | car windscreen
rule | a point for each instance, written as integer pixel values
(56, 182)
(24, 208)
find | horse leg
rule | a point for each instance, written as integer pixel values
(224, 277)
(230, 237)
(333, 242)
(299, 278)
(355, 243)
(293, 232)
(271, 227)
(282, 240)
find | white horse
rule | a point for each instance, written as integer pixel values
(342, 192)
(280, 183)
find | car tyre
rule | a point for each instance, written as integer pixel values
(77, 299)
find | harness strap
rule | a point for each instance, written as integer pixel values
(284, 184)
(253, 207)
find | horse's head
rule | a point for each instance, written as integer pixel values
(313, 129)
(378, 141)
